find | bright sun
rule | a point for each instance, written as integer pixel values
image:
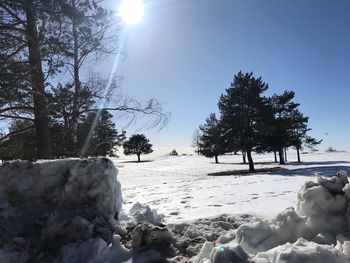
(131, 11)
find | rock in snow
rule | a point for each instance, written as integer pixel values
(67, 211)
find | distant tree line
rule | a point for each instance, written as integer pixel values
(48, 109)
(251, 122)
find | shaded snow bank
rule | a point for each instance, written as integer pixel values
(46, 205)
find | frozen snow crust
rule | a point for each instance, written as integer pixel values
(67, 211)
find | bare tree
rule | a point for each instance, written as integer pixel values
(196, 141)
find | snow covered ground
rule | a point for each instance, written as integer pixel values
(179, 186)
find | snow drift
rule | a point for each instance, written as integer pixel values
(45, 205)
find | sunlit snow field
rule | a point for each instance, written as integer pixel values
(179, 186)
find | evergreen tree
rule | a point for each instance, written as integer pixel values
(20, 143)
(26, 32)
(281, 122)
(299, 136)
(137, 144)
(287, 126)
(105, 138)
(241, 110)
(88, 29)
(211, 142)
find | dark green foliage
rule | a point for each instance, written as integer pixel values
(105, 137)
(97, 136)
(211, 141)
(288, 127)
(251, 122)
(21, 145)
(137, 144)
(241, 113)
(281, 123)
(37, 39)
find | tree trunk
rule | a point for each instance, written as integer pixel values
(138, 158)
(41, 114)
(244, 159)
(216, 159)
(298, 154)
(285, 155)
(75, 110)
(281, 156)
(274, 153)
(250, 160)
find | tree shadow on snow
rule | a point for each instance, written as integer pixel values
(241, 163)
(145, 161)
(311, 171)
(318, 163)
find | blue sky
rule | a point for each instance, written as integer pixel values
(186, 52)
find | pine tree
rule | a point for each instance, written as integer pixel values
(29, 27)
(88, 29)
(299, 136)
(287, 126)
(19, 145)
(241, 109)
(281, 122)
(211, 142)
(106, 137)
(137, 144)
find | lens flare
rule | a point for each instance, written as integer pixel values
(131, 11)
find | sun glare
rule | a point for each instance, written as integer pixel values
(131, 11)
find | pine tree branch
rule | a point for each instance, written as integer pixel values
(12, 28)
(18, 132)
(16, 117)
(14, 53)
(12, 36)
(16, 108)
(14, 15)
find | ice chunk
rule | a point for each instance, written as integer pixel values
(141, 212)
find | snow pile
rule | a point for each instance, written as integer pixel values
(46, 205)
(318, 231)
(302, 251)
(82, 187)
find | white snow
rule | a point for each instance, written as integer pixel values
(302, 251)
(179, 188)
(304, 218)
